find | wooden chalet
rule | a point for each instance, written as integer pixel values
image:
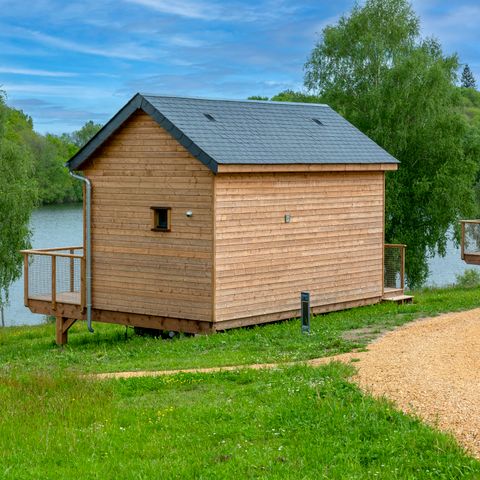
(203, 215)
(470, 241)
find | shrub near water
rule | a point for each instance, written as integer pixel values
(470, 278)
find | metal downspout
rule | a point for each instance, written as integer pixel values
(88, 249)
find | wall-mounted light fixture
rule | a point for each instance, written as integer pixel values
(189, 213)
(287, 218)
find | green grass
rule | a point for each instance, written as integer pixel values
(33, 348)
(291, 422)
(297, 422)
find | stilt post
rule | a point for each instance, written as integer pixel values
(62, 325)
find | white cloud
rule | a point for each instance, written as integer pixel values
(184, 41)
(227, 11)
(37, 73)
(459, 21)
(70, 91)
(182, 8)
(124, 51)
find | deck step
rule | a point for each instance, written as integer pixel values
(399, 299)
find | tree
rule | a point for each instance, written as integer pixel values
(82, 136)
(257, 97)
(468, 80)
(49, 154)
(17, 200)
(399, 89)
(292, 96)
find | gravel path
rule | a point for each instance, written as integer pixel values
(430, 368)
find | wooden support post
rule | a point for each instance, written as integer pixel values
(25, 279)
(462, 245)
(54, 282)
(72, 272)
(61, 337)
(62, 325)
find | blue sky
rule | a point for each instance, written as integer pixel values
(66, 62)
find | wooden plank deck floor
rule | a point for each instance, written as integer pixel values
(62, 297)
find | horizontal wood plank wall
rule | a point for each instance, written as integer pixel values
(135, 269)
(332, 247)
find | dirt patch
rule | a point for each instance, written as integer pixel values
(430, 368)
(158, 373)
(365, 334)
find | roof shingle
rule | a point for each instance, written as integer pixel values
(251, 132)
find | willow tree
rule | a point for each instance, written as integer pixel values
(17, 199)
(399, 89)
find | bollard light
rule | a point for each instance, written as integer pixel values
(305, 307)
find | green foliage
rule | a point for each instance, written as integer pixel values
(399, 89)
(49, 154)
(291, 96)
(468, 80)
(80, 137)
(257, 97)
(470, 106)
(470, 278)
(17, 200)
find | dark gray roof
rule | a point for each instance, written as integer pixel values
(224, 132)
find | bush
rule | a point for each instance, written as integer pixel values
(468, 279)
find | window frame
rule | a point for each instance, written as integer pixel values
(155, 219)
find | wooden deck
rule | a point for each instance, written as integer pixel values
(72, 298)
(392, 292)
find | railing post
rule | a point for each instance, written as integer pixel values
(402, 267)
(54, 282)
(72, 272)
(25, 279)
(462, 251)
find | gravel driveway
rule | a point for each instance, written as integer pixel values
(430, 368)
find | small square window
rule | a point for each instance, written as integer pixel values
(161, 219)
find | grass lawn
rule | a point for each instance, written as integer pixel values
(291, 422)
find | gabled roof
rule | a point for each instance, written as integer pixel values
(226, 132)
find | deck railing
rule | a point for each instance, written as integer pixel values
(470, 241)
(54, 275)
(394, 268)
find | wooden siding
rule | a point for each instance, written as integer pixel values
(135, 269)
(333, 246)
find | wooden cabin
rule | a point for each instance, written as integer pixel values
(213, 214)
(470, 241)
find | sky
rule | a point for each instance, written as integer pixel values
(67, 62)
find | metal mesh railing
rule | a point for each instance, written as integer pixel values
(394, 266)
(39, 276)
(54, 274)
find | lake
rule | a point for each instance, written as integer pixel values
(61, 226)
